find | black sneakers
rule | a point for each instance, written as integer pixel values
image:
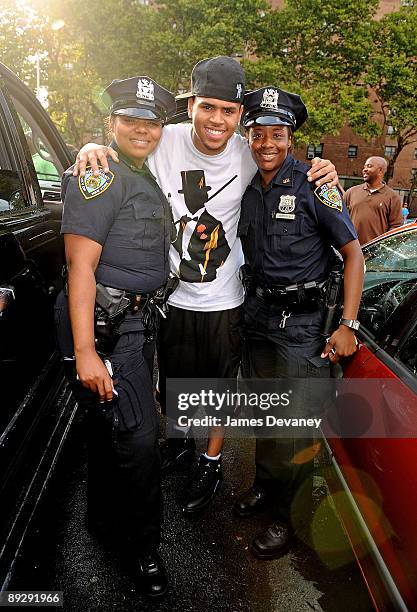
(176, 453)
(151, 577)
(203, 485)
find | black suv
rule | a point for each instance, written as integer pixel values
(36, 408)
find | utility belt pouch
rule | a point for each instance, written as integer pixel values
(110, 310)
(113, 302)
(333, 299)
(162, 294)
(247, 278)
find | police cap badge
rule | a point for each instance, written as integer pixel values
(273, 106)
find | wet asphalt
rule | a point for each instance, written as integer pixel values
(208, 557)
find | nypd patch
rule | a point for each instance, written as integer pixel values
(330, 196)
(91, 185)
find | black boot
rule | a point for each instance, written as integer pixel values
(176, 453)
(150, 575)
(203, 485)
(251, 501)
(274, 542)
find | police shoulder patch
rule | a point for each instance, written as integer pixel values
(330, 196)
(92, 185)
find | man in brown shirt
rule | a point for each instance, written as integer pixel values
(374, 207)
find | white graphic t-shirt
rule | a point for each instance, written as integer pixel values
(205, 192)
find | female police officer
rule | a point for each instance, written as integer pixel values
(287, 232)
(117, 234)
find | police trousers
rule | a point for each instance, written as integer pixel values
(123, 488)
(284, 466)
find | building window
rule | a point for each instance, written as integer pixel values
(353, 151)
(390, 130)
(415, 153)
(413, 174)
(315, 150)
(407, 2)
(390, 152)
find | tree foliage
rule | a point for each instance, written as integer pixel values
(319, 49)
(392, 75)
(332, 53)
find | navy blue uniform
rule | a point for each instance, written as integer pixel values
(125, 212)
(287, 231)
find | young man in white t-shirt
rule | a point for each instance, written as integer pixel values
(203, 168)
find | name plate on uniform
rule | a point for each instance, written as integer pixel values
(286, 216)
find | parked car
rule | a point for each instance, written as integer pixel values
(375, 491)
(36, 410)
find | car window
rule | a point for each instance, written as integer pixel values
(11, 182)
(391, 273)
(408, 352)
(47, 166)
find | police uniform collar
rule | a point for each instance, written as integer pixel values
(128, 162)
(285, 175)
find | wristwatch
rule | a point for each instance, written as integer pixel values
(351, 323)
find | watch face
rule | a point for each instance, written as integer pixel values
(352, 323)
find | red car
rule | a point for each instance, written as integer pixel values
(375, 491)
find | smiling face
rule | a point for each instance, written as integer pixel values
(269, 146)
(135, 137)
(373, 171)
(214, 122)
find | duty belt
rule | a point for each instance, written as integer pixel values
(138, 300)
(306, 295)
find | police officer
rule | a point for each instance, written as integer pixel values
(288, 228)
(116, 229)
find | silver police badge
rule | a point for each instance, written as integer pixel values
(286, 207)
(238, 90)
(287, 204)
(270, 99)
(145, 90)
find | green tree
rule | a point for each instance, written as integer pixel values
(181, 32)
(392, 75)
(20, 30)
(319, 49)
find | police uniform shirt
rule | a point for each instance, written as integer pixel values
(288, 228)
(126, 212)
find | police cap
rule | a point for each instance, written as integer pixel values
(140, 97)
(218, 77)
(273, 106)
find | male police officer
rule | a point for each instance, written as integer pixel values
(203, 169)
(117, 234)
(287, 229)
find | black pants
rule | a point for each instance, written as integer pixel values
(284, 466)
(123, 490)
(198, 345)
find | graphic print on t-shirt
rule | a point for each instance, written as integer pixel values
(201, 240)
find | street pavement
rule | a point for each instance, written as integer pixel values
(208, 557)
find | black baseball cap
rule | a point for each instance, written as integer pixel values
(220, 77)
(273, 106)
(140, 97)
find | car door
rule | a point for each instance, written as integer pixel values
(380, 472)
(32, 424)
